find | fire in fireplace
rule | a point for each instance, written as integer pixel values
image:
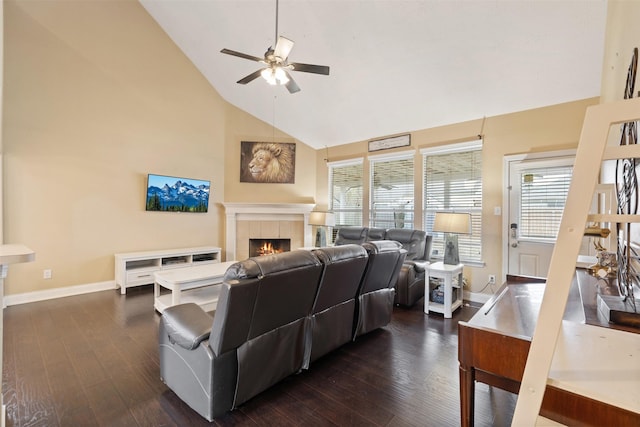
(259, 247)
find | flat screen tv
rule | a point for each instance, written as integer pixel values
(173, 194)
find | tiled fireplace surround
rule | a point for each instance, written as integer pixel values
(246, 221)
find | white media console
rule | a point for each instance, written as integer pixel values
(138, 268)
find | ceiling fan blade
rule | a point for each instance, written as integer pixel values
(283, 47)
(309, 68)
(251, 77)
(291, 85)
(242, 55)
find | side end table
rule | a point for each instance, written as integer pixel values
(445, 272)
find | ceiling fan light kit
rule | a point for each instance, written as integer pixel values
(275, 76)
(277, 68)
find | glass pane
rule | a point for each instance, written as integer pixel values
(542, 199)
(392, 194)
(345, 194)
(453, 182)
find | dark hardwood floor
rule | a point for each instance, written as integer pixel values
(92, 360)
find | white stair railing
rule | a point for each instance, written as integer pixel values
(592, 150)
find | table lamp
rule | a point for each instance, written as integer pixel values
(321, 220)
(452, 224)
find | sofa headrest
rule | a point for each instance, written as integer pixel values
(376, 234)
(379, 246)
(413, 241)
(263, 265)
(348, 235)
(329, 255)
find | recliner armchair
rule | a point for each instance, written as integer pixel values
(377, 290)
(255, 338)
(411, 281)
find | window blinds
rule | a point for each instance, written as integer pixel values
(392, 192)
(453, 183)
(543, 193)
(345, 192)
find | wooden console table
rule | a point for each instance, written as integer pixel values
(494, 344)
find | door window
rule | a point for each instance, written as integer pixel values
(542, 200)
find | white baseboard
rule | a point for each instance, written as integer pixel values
(476, 297)
(68, 291)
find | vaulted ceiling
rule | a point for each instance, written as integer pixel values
(396, 66)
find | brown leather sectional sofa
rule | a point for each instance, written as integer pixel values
(276, 314)
(410, 284)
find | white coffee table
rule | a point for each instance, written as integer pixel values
(199, 284)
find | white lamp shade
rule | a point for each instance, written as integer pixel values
(451, 222)
(326, 219)
(275, 76)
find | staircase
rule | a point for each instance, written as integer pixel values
(597, 363)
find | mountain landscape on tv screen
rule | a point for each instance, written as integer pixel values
(179, 197)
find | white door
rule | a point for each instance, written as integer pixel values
(537, 193)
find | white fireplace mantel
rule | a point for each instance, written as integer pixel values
(263, 212)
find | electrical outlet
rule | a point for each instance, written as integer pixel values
(492, 279)
(46, 274)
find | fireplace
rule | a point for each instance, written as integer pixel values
(246, 221)
(259, 247)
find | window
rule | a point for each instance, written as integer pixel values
(543, 193)
(453, 183)
(345, 192)
(392, 191)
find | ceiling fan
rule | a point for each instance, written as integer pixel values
(277, 67)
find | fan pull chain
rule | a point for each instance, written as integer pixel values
(273, 127)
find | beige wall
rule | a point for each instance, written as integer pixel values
(241, 127)
(96, 96)
(1, 106)
(622, 36)
(545, 129)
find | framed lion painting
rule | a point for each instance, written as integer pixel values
(268, 162)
